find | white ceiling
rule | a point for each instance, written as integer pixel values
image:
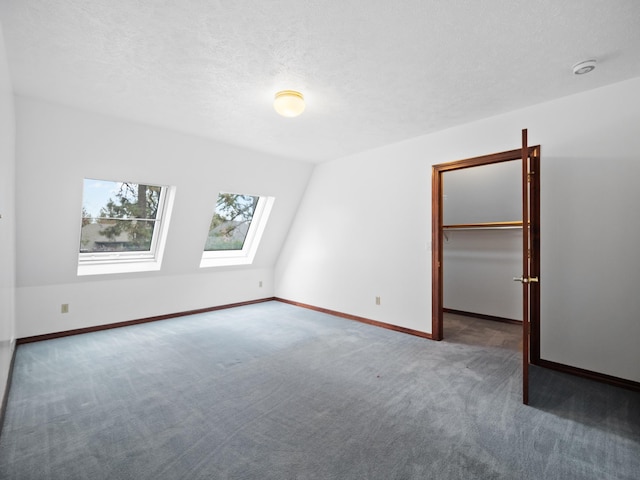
(373, 71)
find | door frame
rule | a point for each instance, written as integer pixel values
(437, 288)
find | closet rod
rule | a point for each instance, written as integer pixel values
(494, 225)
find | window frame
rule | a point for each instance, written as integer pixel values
(96, 263)
(246, 255)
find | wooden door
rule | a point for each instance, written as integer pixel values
(530, 157)
(530, 277)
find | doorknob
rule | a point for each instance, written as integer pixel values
(526, 280)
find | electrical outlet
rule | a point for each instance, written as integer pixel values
(64, 308)
(377, 300)
(260, 283)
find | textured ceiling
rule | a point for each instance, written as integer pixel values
(373, 71)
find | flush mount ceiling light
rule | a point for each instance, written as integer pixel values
(584, 67)
(289, 103)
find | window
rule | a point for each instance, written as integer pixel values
(123, 226)
(235, 229)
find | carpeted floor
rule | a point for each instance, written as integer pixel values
(272, 391)
(479, 332)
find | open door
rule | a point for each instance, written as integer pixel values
(530, 158)
(530, 258)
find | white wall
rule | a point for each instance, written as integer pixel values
(489, 193)
(362, 231)
(478, 269)
(7, 220)
(57, 147)
(363, 228)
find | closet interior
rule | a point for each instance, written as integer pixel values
(482, 244)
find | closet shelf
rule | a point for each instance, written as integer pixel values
(484, 226)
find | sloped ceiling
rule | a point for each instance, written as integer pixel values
(373, 71)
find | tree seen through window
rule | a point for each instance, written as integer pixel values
(123, 222)
(231, 220)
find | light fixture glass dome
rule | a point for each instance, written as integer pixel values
(289, 103)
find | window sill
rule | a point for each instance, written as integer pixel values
(118, 267)
(226, 261)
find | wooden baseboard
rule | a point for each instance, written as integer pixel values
(368, 321)
(598, 377)
(7, 387)
(78, 331)
(482, 316)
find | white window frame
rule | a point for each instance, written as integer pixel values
(101, 263)
(222, 258)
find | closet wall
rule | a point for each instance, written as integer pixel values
(479, 263)
(7, 220)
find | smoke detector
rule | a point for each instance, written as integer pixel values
(584, 67)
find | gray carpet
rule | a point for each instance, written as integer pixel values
(272, 391)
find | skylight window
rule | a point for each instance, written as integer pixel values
(235, 229)
(124, 225)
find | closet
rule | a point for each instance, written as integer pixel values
(482, 240)
(478, 202)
